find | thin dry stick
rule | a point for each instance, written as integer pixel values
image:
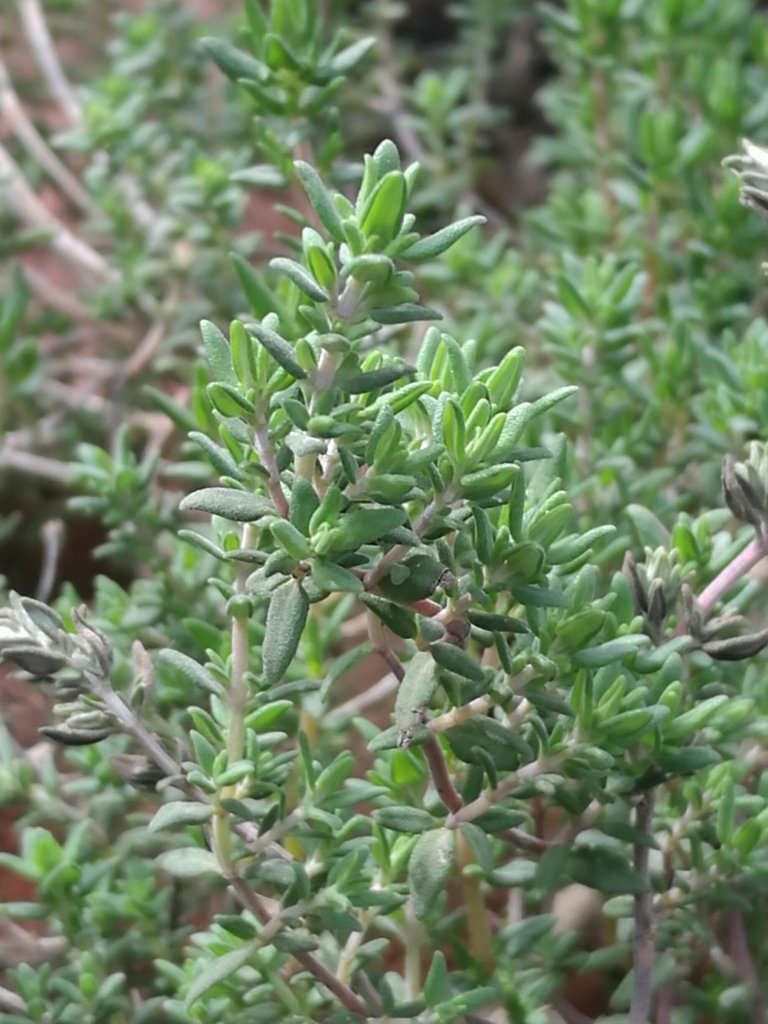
(41, 43)
(25, 205)
(52, 535)
(643, 944)
(37, 147)
(36, 465)
(36, 29)
(343, 993)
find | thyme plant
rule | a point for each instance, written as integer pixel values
(424, 638)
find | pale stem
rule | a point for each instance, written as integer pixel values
(36, 29)
(412, 941)
(52, 535)
(238, 687)
(490, 797)
(36, 465)
(35, 215)
(457, 716)
(478, 928)
(37, 147)
(732, 573)
(263, 447)
(39, 36)
(353, 944)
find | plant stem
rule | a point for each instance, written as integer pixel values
(643, 944)
(37, 147)
(490, 797)
(732, 573)
(441, 778)
(35, 215)
(39, 36)
(343, 993)
(479, 938)
(263, 447)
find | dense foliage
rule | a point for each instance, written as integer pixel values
(424, 678)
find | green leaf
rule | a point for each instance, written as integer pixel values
(437, 986)
(217, 352)
(320, 199)
(234, 63)
(218, 457)
(430, 246)
(262, 300)
(383, 213)
(489, 482)
(218, 970)
(286, 616)
(374, 380)
(180, 812)
(404, 313)
(237, 506)
(404, 819)
(361, 526)
(497, 623)
(192, 671)
(414, 694)
(612, 650)
(471, 740)
(604, 869)
(399, 620)
(682, 726)
(519, 938)
(456, 660)
(334, 578)
(229, 400)
(188, 862)
(301, 277)
(429, 868)
(650, 530)
(280, 349)
(346, 60)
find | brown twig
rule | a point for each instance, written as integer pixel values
(320, 972)
(441, 779)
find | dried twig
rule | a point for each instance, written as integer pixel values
(25, 205)
(52, 536)
(36, 30)
(37, 147)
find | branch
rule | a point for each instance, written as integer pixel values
(37, 147)
(343, 993)
(643, 945)
(438, 771)
(732, 573)
(36, 29)
(25, 205)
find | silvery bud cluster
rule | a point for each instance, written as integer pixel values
(745, 485)
(34, 639)
(654, 585)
